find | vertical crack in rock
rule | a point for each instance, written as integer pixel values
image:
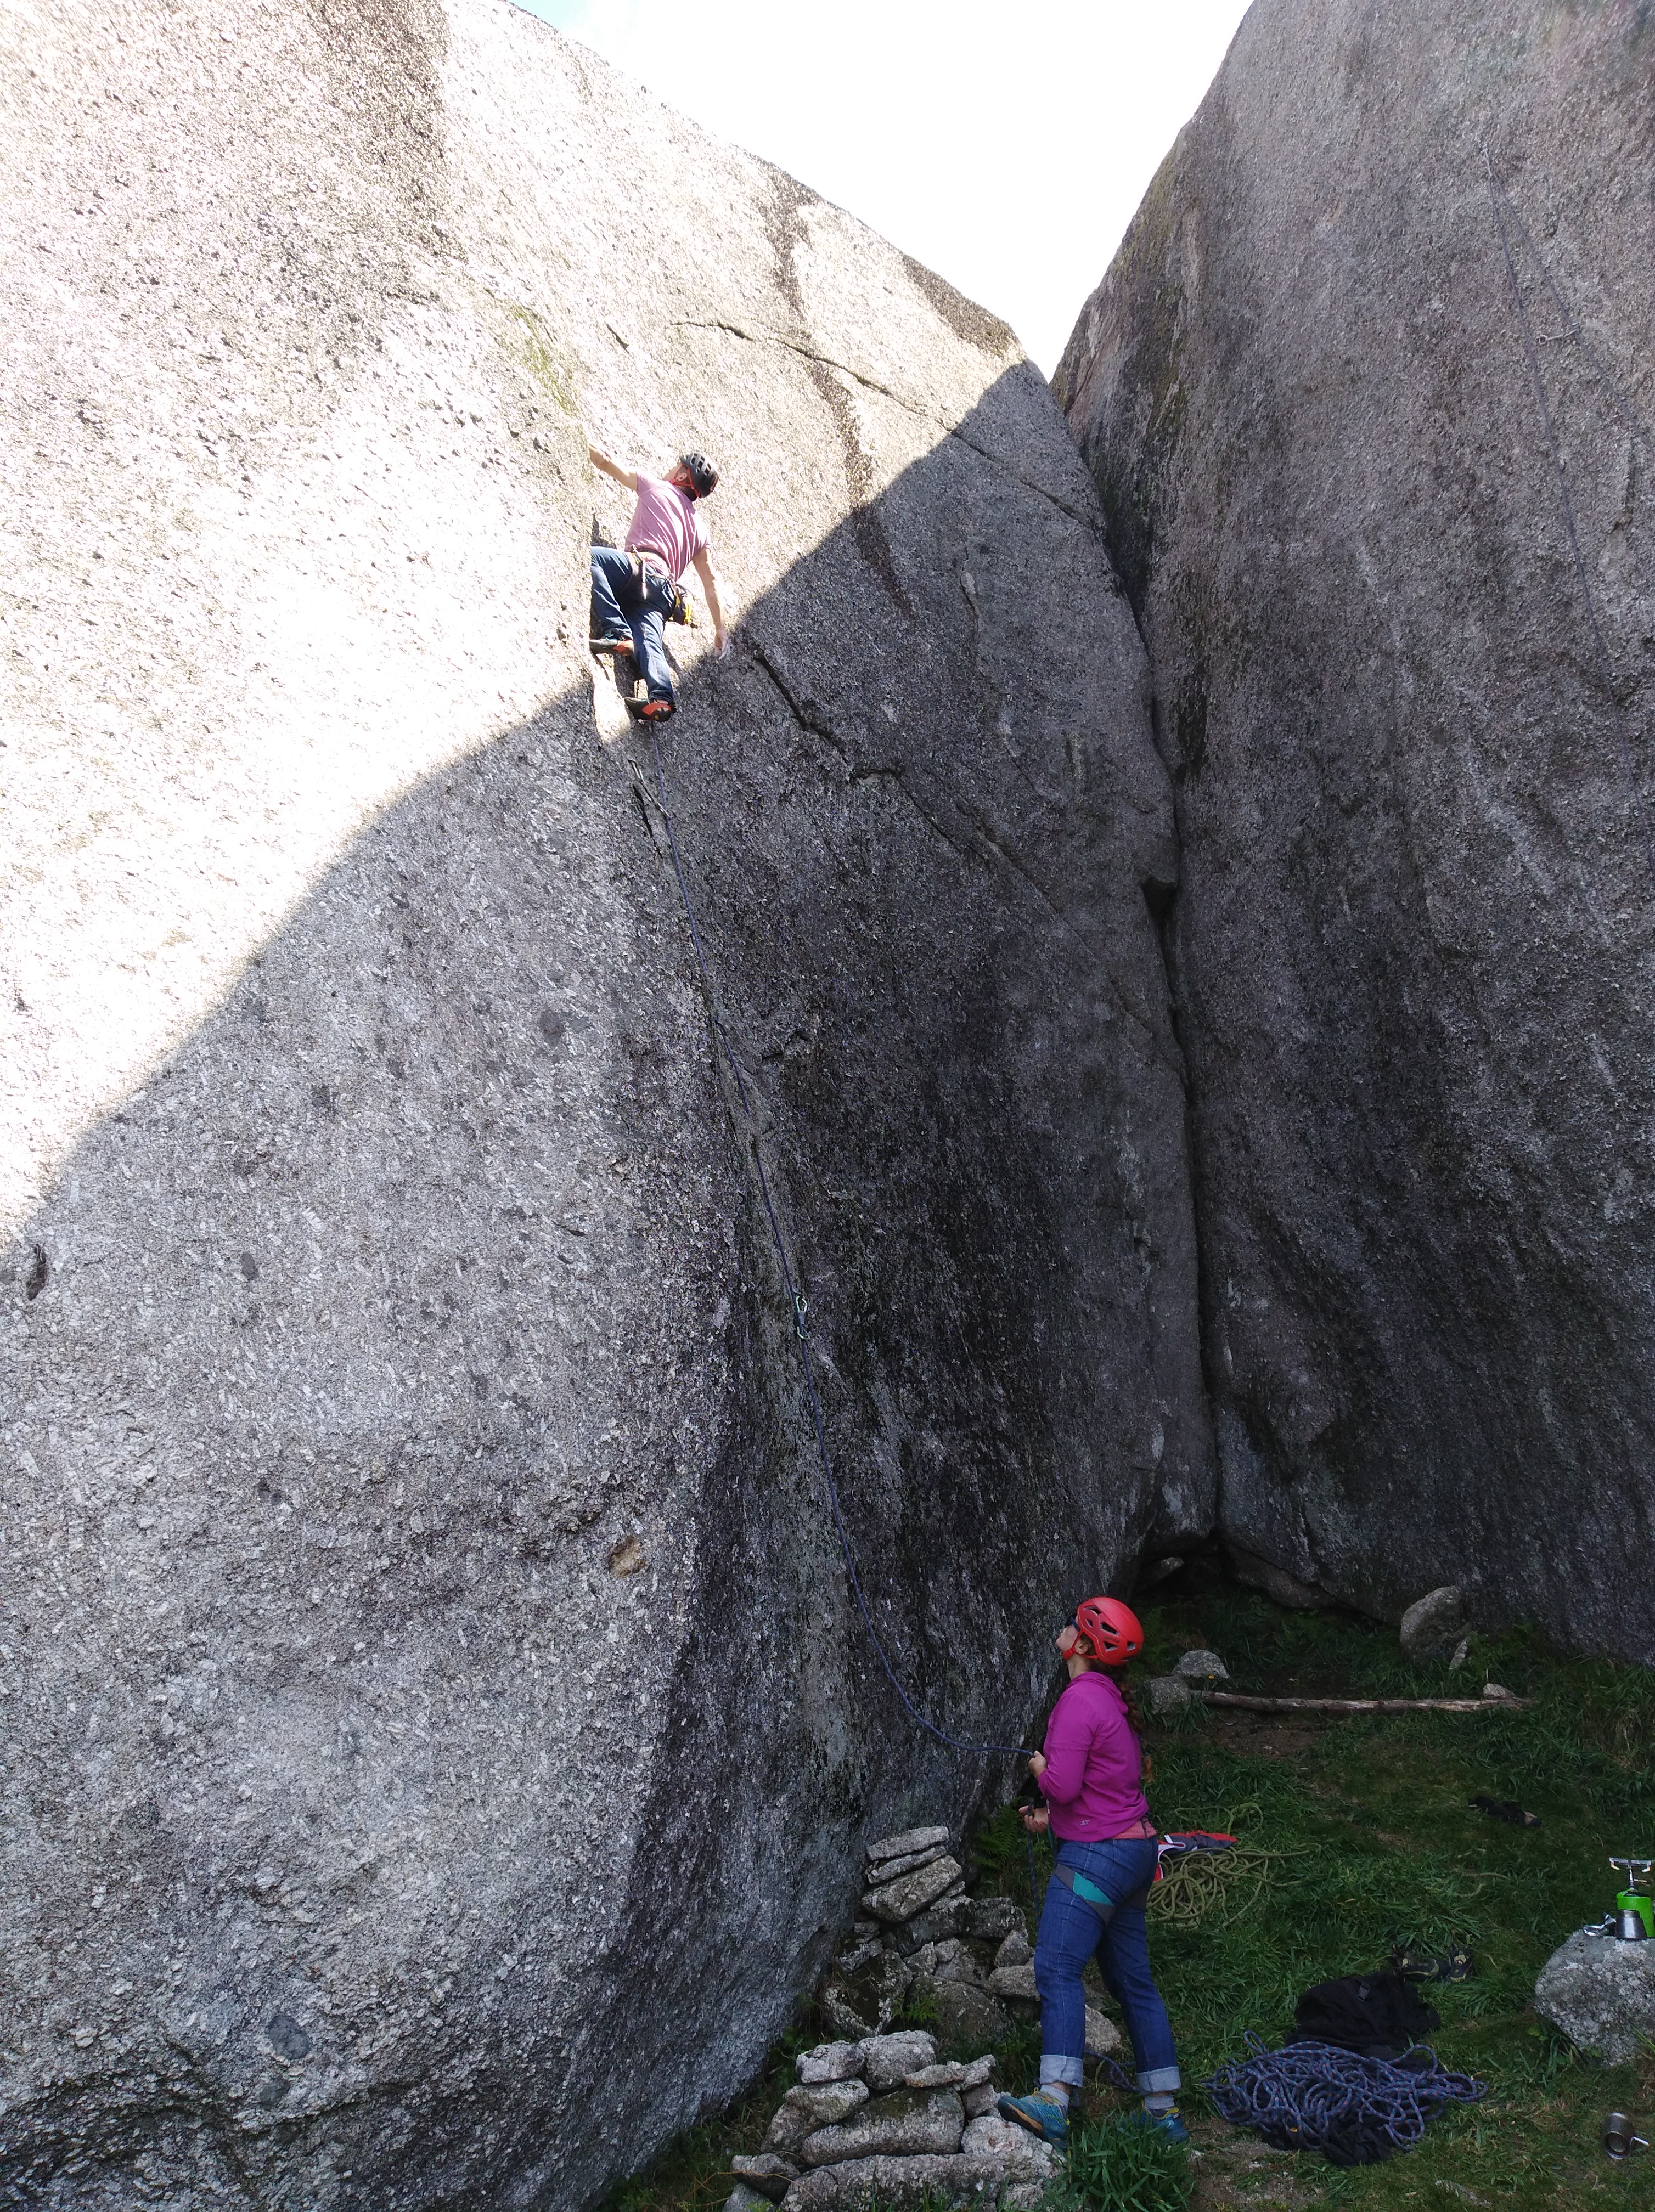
(1396, 594)
(787, 235)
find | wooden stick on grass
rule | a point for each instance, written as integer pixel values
(1504, 1703)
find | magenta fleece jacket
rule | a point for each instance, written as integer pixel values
(1093, 1781)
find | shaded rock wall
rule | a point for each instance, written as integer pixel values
(437, 1740)
(1389, 536)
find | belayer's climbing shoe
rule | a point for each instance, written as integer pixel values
(1414, 1966)
(1506, 1811)
(1167, 2123)
(1042, 2116)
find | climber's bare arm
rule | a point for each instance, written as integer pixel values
(627, 477)
(704, 568)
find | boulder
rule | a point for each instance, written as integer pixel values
(1015, 1951)
(1432, 1621)
(950, 1916)
(911, 1893)
(906, 1845)
(906, 2124)
(889, 1869)
(1163, 1694)
(1201, 1666)
(1601, 1993)
(979, 2070)
(979, 2100)
(897, 2185)
(990, 1918)
(829, 2062)
(1103, 2036)
(746, 2198)
(1023, 2155)
(967, 2014)
(888, 2059)
(947, 2073)
(859, 1957)
(951, 1961)
(805, 2109)
(418, 1580)
(1016, 1983)
(1361, 393)
(864, 2003)
(1253, 1570)
(766, 2174)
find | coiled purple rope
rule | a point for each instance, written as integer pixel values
(1318, 2096)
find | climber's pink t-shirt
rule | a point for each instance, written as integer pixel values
(666, 524)
(1093, 1782)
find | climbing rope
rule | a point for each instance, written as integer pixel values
(797, 1302)
(1319, 2096)
(1600, 649)
(1195, 1885)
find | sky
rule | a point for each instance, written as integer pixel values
(1004, 145)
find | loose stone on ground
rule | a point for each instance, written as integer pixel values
(1601, 1993)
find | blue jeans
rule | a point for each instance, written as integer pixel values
(620, 603)
(1070, 1931)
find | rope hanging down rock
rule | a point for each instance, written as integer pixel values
(797, 1302)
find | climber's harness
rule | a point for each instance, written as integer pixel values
(678, 609)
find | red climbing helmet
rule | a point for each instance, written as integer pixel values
(1113, 1630)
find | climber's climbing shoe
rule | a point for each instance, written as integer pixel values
(610, 644)
(650, 710)
(1042, 2116)
(1168, 2123)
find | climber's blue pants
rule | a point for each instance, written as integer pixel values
(1070, 1931)
(620, 602)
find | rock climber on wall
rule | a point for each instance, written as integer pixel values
(635, 590)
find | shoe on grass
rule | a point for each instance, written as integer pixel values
(1042, 2116)
(1168, 2123)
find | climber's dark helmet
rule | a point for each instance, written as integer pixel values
(703, 477)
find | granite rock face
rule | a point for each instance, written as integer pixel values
(438, 1742)
(1382, 503)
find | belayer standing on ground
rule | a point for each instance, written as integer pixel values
(1091, 1775)
(634, 591)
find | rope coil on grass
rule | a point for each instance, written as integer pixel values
(1319, 2096)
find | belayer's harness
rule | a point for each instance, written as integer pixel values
(1088, 1892)
(1172, 1846)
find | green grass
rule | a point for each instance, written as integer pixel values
(1370, 1842)
(1115, 2165)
